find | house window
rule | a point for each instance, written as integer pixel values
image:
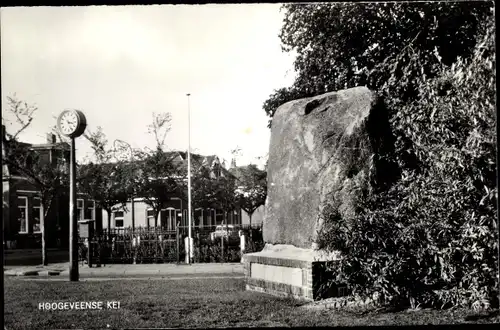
(168, 218)
(118, 219)
(90, 210)
(79, 209)
(150, 218)
(198, 216)
(22, 206)
(209, 217)
(37, 215)
(236, 219)
(219, 217)
(179, 218)
(217, 170)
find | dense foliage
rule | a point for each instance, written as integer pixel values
(251, 189)
(430, 238)
(342, 45)
(105, 180)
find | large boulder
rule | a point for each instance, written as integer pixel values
(324, 150)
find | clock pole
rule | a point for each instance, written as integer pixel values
(73, 231)
(72, 123)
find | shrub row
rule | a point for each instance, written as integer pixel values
(123, 251)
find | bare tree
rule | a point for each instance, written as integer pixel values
(159, 177)
(160, 127)
(21, 113)
(108, 182)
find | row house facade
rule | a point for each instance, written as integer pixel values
(175, 211)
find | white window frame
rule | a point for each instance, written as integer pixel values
(236, 217)
(200, 224)
(78, 209)
(220, 213)
(91, 208)
(152, 217)
(119, 218)
(40, 213)
(26, 219)
(210, 218)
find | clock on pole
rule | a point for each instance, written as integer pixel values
(72, 123)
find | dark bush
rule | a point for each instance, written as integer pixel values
(430, 239)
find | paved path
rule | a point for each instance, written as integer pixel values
(142, 270)
(154, 278)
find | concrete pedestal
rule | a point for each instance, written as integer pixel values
(285, 270)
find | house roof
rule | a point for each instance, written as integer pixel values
(240, 171)
(7, 170)
(44, 146)
(179, 159)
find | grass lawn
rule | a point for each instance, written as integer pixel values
(186, 303)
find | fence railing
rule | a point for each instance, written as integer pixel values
(219, 243)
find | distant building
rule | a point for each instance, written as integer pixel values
(21, 207)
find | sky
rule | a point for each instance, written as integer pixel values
(120, 64)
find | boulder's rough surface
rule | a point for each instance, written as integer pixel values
(324, 150)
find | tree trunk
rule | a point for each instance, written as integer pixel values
(45, 260)
(109, 220)
(250, 222)
(44, 212)
(157, 213)
(133, 212)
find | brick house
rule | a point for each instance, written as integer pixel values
(176, 209)
(21, 208)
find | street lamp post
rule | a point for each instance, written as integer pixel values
(189, 181)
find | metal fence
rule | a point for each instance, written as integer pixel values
(139, 245)
(228, 231)
(156, 245)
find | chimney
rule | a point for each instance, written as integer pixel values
(233, 163)
(51, 138)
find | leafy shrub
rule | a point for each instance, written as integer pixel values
(212, 251)
(254, 246)
(430, 238)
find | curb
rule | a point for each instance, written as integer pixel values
(102, 272)
(50, 273)
(22, 273)
(151, 278)
(32, 273)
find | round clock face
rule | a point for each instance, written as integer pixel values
(68, 122)
(71, 123)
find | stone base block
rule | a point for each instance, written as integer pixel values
(284, 270)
